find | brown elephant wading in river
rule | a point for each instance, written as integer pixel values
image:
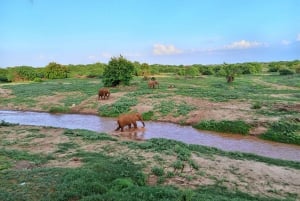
(152, 83)
(103, 93)
(128, 119)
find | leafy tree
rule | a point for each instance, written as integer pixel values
(56, 71)
(145, 69)
(230, 71)
(191, 71)
(274, 66)
(119, 70)
(250, 68)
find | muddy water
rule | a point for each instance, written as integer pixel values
(185, 134)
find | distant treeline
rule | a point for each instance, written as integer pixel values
(57, 71)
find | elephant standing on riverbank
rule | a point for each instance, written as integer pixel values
(103, 93)
(128, 119)
(152, 83)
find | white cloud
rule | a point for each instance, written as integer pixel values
(285, 42)
(160, 49)
(298, 37)
(243, 44)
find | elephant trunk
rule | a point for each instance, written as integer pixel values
(143, 124)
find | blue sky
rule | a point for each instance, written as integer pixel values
(36, 32)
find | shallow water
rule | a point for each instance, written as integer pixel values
(187, 134)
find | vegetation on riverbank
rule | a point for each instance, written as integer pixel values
(43, 163)
(257, 100)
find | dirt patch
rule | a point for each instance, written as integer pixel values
(286, 107)
(21, 165)
(6, 93)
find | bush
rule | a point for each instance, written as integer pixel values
(148, 115)
(59, 109)
(256, 105)
(285, 71)
(21, 73)
(283, 131)
(119, 70)
(158, 171)
(56, 71)
(238, 127)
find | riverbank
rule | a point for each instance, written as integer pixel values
(157, 165)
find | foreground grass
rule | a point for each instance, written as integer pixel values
(116, 169)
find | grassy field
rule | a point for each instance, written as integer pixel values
(43, 163)
(254, 104)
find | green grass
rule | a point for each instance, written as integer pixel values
(239, 127)
(123, 105)
(171, 107)
(283, 131)
(23, 155)
(88, 135)
(64, 147)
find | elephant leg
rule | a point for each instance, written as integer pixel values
(135, 125)
(118, 128)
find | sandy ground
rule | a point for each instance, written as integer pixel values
(252, 177)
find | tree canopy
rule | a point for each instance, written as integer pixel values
(119, 70)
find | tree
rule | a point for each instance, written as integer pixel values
(119, 70)
(56, 71)
(230, 71)
(191, 71)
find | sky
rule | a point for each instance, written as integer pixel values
(175, 32)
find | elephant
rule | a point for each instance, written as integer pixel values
(152, 83)
(128, 119)
(103, 93)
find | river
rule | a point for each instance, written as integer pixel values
(186, 134)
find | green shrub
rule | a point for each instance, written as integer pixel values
(158, 171)
(178, 165)
(121, 183)
(148, 115)
(37, 79)
(119, 70)
(286, 71)
(4, 123)
(239, 127)
(256, 105)
(56, 71)
(283, 131)
(59, 109)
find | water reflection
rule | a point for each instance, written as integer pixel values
(185, 134)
